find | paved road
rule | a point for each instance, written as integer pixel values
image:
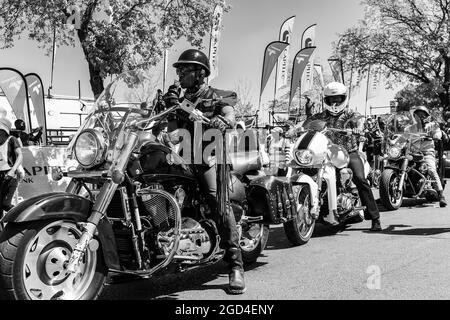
(410, 259)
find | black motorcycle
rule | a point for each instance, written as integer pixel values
(133, 207)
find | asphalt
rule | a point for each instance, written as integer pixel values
(409, 259)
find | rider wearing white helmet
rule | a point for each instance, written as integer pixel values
(424, 124)
(336, 115)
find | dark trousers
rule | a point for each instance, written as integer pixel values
(364, 190)
(227, 225)
(7, 189)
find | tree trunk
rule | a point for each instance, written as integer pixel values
(95, 80)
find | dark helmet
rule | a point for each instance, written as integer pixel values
(194, 56)
(422, 108)
(19, 124)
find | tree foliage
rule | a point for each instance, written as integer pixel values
(410, 39)
(412, 95)
(135, 34)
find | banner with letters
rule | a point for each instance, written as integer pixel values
(214, 45)
(271, 55)
(308, 40)
(300, 61)
(282, 67)
(38, 163)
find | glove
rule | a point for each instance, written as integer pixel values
(172, 96)
(220, 123)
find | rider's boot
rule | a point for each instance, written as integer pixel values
(331, 219)
(442, 201)
(236, 276)
(376, 225)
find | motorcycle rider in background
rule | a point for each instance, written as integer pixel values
(192, 69)
(336, 114)
(432, 129)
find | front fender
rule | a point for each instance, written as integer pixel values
(55, 205)
(302, 178)
(63, 205)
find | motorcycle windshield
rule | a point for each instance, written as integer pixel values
(122, 101)
(397, 123)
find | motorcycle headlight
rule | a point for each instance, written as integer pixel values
(303, 157)
(89, 148)
(394, 152)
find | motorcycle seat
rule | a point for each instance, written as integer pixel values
(245, 161)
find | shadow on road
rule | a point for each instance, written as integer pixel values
(167, 287)
(278, 239)
(394, 230)
(407, 203)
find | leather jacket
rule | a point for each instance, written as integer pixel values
(349, 142)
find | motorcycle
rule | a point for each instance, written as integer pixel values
(372, 143)
(406, 174)
(133, 207)
(314, 159)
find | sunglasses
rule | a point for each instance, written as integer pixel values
(185, 69)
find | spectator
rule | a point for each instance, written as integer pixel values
(10, 164)
(26, 138)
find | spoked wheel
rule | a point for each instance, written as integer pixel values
(253, 241)
(391, 195)
(300, 229)
(33, 263)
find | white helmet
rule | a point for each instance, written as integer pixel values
(335, 89)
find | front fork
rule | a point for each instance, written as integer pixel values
(403, 174)
(101, 203)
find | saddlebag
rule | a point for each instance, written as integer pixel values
(272, 198)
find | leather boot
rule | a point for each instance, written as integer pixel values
(236, 276)
(442, 201)
(236, 281)
(376, 225)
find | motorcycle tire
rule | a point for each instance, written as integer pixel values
(32, 256)
(386, 196)
(251, 254)
(296, 234)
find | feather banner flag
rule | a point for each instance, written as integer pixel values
(271, 55)
(308, 40)
(14, 86)
(36, 92)
(282, 67)
(319, 70)
(214, 43)
(300, 61)
(374, 83)
(336, 69)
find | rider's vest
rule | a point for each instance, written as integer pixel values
(425, 146)
(212, 102)
(350, 143)
(4, 166)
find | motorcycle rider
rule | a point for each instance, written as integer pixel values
(192, 69)
(425, 125)
(336, 114)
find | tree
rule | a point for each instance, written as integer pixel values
(135, 35)
(244, 106)
(418, 95)
(409, 39)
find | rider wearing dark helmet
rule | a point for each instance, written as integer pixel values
(192, 69)
(336, 115)
(432, 129)
(23, 136)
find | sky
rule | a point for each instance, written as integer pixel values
(247, 29)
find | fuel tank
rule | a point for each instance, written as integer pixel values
(155, 158)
